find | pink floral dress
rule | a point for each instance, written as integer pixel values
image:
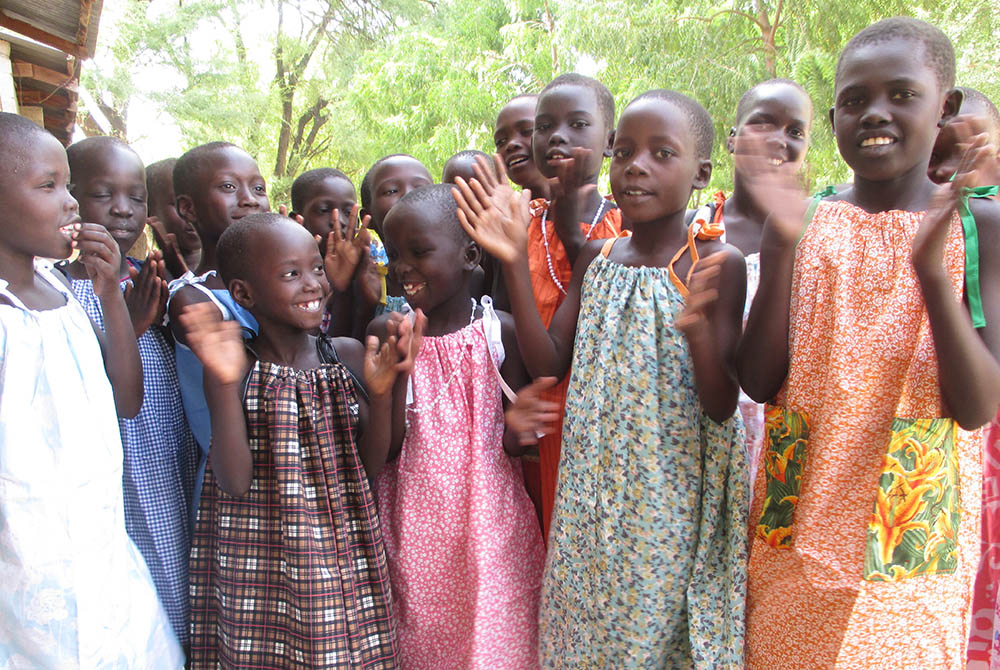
(461, 535)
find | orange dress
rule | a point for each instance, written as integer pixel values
(867, 504)
(548, 297)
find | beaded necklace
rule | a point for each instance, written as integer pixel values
(545, 241)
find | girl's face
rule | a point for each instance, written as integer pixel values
(37, 203)
(110, 185)
(232, 187)
(394, 178)
(778, 116)
(512, 138)
(567, 117)
(887, 106)
(289, 284)
(654, 164)
(425, 258)
(331, 200)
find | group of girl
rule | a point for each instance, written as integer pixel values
(377, 505)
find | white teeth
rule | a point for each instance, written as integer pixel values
(635, 191)
(517, 161)
(67, 230)
(775, 161)
(311, 306)
(876, 141)
(411, 289)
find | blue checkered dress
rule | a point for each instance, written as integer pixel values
(161, 457)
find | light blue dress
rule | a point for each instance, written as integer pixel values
(648, 547)
(74, 590)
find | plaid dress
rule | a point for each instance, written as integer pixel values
(293, 574)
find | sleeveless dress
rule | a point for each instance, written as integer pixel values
(867, 503)
(161, 457)
(292, 574)
(547, 257)
(647, 553)
(189, 370)
(465, 550)
(74, 590)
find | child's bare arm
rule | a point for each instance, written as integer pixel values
(529, 416)
(146, 298)
(180, 301)
(502, 231)
(100, 255)
(968, 367)
(712, 322)
(570, 190)
(219, 346)
(762, 358)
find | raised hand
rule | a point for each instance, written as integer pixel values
(498, 222)
(380, 365)
(409, 337)
(975, 151)
(570, 189)
(297, 218)
(369, 279)
(774, 189)
(218, 344)
(345, 247)
(529, 417)
(703, 291)
(146, 294)
(100, 255)
(173, 259)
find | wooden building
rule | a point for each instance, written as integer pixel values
(42, 43)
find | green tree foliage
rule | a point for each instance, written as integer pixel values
(342, 82)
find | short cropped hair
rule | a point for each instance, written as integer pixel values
(235, 246)
(189, 167)
(17, 135)
(366, 182)
(978, 98)
(698, 118)
(80, 152)
(157, 175)
(307, 181)
(743, 106)
(438, 200)
(605, 101)
(939, 54)
(467, 155)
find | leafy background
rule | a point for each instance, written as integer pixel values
(309, 83)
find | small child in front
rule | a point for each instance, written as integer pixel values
(464, 547)
(874, 336)
(287, 567)
(161, 455)
(647, 550)
(74, 592)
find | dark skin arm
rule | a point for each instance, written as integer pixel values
(712, 321)
(396, 330)
(516, 376)
(570, 199)
(219, 346)
(100, 255)
(180, 301)
(968, 369)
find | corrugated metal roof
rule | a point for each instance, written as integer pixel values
(68, 25)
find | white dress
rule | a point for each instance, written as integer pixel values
(74, 591)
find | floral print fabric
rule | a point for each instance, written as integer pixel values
(647, 552)
(861, 354)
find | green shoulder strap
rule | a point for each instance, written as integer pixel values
(975, 296)
(813, 204)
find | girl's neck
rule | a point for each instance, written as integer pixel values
(740, 204)
(591, 204)
(17, 270)
(208, 260)
(909, 191)
(284, 345)
(658, 240)
(451, 315)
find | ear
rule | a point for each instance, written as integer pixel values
(241, 293)
(472, 256)
(731, 141)
(611, 143)
(185, 207)
(952, 103)
(703, 175)
(832, 126)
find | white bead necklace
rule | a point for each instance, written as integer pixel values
(545, 241)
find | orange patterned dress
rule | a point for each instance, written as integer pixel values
(548, 297)
(867, 504)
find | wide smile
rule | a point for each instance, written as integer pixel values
(636, 192)
(517, 161)
(310, 305)
(413, 288)
(877, 141)
(556, 157)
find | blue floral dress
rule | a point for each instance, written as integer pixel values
(648, 549)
